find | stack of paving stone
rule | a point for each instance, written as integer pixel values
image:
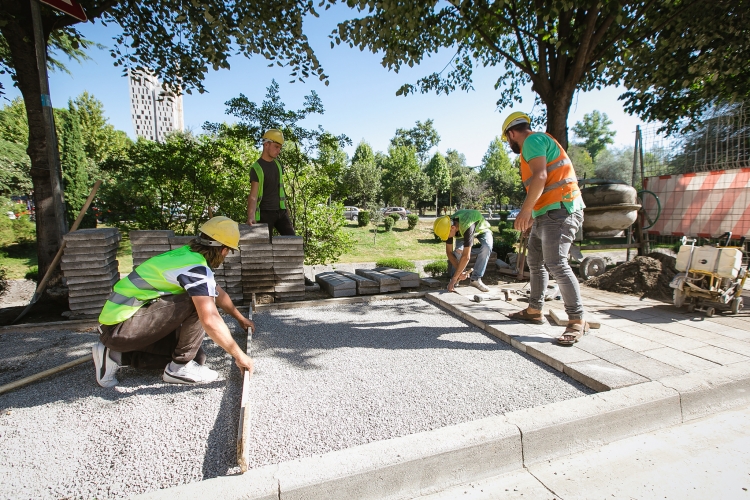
(365, 286)
(147, 244)
(288, 268)
(407, 279)
(229, 276)
(387, 283)
(336, 285)
(90, 267)
(256, 257)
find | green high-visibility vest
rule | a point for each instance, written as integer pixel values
(147, 283)
(468, 217)
(282, 195)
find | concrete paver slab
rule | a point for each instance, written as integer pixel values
(730, 344)
(664, 338)
(718, 355)
(721, 330)
(516, 485)
(626, 340)
(740, 321)
(595, 345)
(555, 355)
(648, 367)
(602, 375)
(679, 359)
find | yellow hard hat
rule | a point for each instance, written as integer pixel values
(274, 135)
(222, 229)
(514, 119)
(442, 227)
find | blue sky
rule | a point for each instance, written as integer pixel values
(359, 102)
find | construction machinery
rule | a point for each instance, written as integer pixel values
(710, 278)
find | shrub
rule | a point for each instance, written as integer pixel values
(3, 280)
(388, 223)
(502, 249)
(397, 263)
(503, 215)
(32, 273)
(363, 218)
(510, 236)
(395, 217)
(437, 268)
(413, 220)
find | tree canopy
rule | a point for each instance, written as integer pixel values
(594, 132)
(422, 136)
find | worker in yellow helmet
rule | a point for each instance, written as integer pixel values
(551, 215)
(267, 200)
(159, 313)
(465, 225)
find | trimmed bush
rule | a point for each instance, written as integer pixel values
(363, 218)
(437, 268)
(502, 248)
(510, 236)
(503, 215)
(413, 220)
(32, 273)
(397, 263)
(388, 223)
(395, 217)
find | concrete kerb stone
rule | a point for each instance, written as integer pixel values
(709, 391)
(567, 427)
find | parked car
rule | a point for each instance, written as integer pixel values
(396, 210)
(513, 214)
(351, 213)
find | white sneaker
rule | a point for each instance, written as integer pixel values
(477, 283)
(105, 367)
(189, 373)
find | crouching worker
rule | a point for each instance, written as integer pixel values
(159, 314)
(467, 224)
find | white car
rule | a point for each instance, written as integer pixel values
(513, 214)
(351, 213)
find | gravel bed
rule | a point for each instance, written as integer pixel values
(18, 293)
(329, 378)
(66, 437)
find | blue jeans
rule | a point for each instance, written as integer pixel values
(482, 257)
(549, 243)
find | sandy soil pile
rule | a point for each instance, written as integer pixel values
(644, 276)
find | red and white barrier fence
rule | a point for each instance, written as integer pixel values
(705, 204)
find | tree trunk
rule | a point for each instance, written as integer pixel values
(558, 108)
(20, 39)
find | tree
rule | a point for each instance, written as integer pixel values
(100, 139)
(457, 165)
(698, 58)
(422, 137)
(595, 132)
(177, 43)
(583, 164)
(499, 174)
(362, 177)
(74, 166)
(400, 170)
(473, 191)
(557, 47)
(616, 164)
(439, 174)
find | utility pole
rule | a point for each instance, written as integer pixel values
(53, 154)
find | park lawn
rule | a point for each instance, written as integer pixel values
(18, 260)
(417, 244)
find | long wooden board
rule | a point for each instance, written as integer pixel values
(243, 429)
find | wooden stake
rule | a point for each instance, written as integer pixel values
(243, 429)
(46, 373)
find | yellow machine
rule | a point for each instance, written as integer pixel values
(711, 277)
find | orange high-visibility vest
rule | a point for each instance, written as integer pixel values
(562, 183)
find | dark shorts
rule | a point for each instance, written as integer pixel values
(278, 219)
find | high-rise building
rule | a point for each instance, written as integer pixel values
(154, 111)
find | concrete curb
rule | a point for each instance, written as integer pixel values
(338, 301)
(52, 325)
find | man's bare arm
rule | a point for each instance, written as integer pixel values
(219, 332)
(252, 202)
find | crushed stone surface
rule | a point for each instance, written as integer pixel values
(66, 437)
(647, 277)
(17, 293)
(329, 378)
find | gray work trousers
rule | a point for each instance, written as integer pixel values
(165, 330)
(551, 235)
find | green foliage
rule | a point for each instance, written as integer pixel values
(583, 164)
(17, 231)
(615, 164)
(75, 168)
(395, 217)
(3, 280)
(437, 268)
(401, 174)
(14, 168)
(100, 140)
(503, 214)
(13, 124)
(388, 222)
(413, 220)
(32, 274)
(499, 174)
(363, 218)
(396, 263)
(362, 177)
(594, 132)
(422, 137)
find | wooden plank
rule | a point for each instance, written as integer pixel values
(243, 429)
(336, 285)
(365, 286)
(46, 373)
(387, 283)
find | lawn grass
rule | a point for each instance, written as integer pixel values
(417, 244)
(18, 259)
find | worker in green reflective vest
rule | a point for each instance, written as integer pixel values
(267, 200)
(159, 314)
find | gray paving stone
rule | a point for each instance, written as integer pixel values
(649, 368)
(718, 355)
(108, 270)
(365, 286)
(89, 257)
(336, 285)
(137, 235)
(602, 375)
(91, 234)
(430, 282)
(665, 338)
(387, 283)
(593, 344)
(679, 359)
(407, 279)
(626, 340)
(617, 355)
(110, 278)
(556, 356)
(94, 246)
(84, 290)
(180, 241)
(87, 301)
(142, 249)
(88, 264)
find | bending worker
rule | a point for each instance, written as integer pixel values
(159, 313)
(267, 200)
(467, 224)
(553, 213)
